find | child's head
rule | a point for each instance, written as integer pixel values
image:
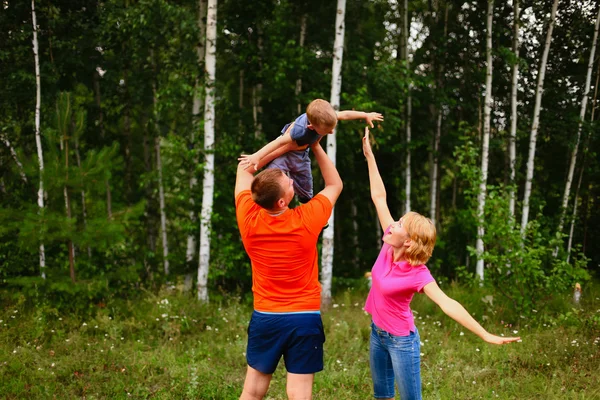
(422, 233)
(321, 116)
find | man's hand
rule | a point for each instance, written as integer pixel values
(373, 116)
(249, 161)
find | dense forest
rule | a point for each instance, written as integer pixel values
(122, 122)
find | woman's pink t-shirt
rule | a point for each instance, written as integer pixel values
(393, 286)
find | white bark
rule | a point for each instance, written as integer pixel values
(584, 102)
(196, 107)
(481, 196)
(38, 139)
(536, 120)
(434, 171)
(512, 147)
(257, 110)
(163, 212)
(406, 27)
(208, 184)
(13, 153)
(298, 89)
(584, 151)
(336, 88)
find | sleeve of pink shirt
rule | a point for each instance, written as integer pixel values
(422, 277)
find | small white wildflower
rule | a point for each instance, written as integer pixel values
(476, 349)
(84, 324)
(52, 365)
(462, 334)
(208, 328)
(335, 306)
(163, 315)
(515, 332)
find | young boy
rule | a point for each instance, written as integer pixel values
(289, 152)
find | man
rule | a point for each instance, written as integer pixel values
(282, 246)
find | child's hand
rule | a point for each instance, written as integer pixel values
(367, 151)
(249, 161)
(373, 116)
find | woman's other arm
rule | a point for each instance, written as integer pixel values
(457, 312)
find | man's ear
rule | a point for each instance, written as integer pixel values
(281, 203)
(310, 126)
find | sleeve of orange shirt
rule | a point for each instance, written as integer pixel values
(316, 212)
(243, 205)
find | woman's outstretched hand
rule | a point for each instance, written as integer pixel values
(493, 339)
(366, 141)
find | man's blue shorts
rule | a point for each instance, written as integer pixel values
(298, 337)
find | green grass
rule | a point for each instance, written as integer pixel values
(170, 347)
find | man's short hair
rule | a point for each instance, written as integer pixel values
(320, 113)
(266, 188)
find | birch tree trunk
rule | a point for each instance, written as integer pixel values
(15, 157)
(434, 170)
(257, 91)
(196, 107)
(584, 102)
(208, 184)
(161, 199)
(98, 98)
(161, 190)
(584, 151)
(298, 89)
(435, 176)
(38, 139)
(481, 196)
(406, 28)
(336, 88)
(512, 139)
(536, 120)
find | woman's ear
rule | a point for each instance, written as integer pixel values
(407, 243)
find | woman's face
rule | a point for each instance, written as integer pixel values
(397, 235)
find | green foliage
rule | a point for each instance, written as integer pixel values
(521, 268)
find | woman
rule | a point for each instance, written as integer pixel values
(397, 275)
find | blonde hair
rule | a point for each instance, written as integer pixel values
(320, 113)
(422, 234)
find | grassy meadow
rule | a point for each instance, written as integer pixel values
(168, 346)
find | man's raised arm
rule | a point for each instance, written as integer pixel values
(243, 180)
(333, 182)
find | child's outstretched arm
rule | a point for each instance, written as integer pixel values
(369, 117)
(256, 160)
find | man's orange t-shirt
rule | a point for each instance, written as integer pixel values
(283, 252)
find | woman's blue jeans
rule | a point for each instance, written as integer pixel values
(395, 358)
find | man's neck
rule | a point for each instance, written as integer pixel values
(275, 213)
